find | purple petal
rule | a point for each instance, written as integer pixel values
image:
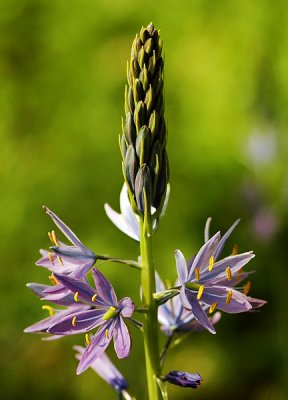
(85, 321)
(85, 292)
(256, 303)
(64, 228)
(235, 263)
(105, 369)
(197, 310)
(41, 291)
(98, 345)
(127, 307)
(44, 324)
(224, 239)
(218, 294)
(104, 288)
(122, 340)
(181, 266)
(203, 256)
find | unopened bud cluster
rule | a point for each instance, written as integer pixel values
(144, 136)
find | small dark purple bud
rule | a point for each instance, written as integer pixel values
(148, 46)
(153, 123)
(149, 99)
(184, 379)
(144, 78)
(135, 68)
(152, 64)
(144, 35)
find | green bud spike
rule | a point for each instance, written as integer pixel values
(144, 134)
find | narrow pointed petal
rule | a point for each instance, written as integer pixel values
(41, 291)
(166, 201)
(256, 303)
(127, 307)
(224, 239)
(181, 266)
(85, 292)
(104, 288)
(122, 340)
(198, 311)
(98, 345)
(105, 369)
(218, 294)
(201, 261)
(126, 210)
(84, 321)
(64, 228)
(235, 263)
(119, 221)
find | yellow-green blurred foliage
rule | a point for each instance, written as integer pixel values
(62, 69)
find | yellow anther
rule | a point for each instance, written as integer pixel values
(212, 308)
(50, 309)
(107, 333)
(53, 279)
(239, 274)
(234, 250)
(229, 296)
(211, 263)
(51, 257)
(247, 287)
(60, 260)
(197, 274)
(200, 292)
(54, 238)
(228, 274)
(76, 297)
(50, 237)
(87, 339)
(93, 298)
(74, 321)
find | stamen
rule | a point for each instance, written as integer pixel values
(197, 274)
(87, 339)
(54, 238)
(234, 250)
(239, 273)
(51, 258)
(212, 308)
(211, 263)
(50, 309)
(93, 298)
(53, 279)
(247, 287)
(74, 321)
(60, 260)
(76, 297)
(107, 333)
(200, 292)
(228, 274)
(229, 296)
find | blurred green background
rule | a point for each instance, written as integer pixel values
(62, 71)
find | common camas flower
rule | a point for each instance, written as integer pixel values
(207, 282)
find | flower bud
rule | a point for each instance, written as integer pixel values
(184, 379)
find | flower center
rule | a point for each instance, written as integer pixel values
(111, 313)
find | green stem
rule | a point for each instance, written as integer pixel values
(151, 341)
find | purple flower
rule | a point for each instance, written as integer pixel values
(73, 260)
(184, 379)
(174, 317)
(105, 312)
(106, 370)
(205, 281)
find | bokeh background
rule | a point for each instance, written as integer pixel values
(62, 71)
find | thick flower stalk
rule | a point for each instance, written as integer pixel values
(144, 136)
